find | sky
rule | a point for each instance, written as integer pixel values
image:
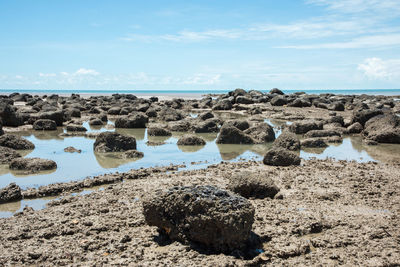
(199, 45)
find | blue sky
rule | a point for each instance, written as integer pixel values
(289, 44)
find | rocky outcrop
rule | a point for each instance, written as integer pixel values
(261, 133)
(57, 116)
(12, 192)
(76, 128)
(207, 126)
(231, 135)
(191, 140)
(281, 157)
(321, 133)
(113, 142)
(383, 129)
(219, 220)
(252, 185)
(288, 141)
(15, 142)
(224, 104)
(302, 127)
(7, 155)
(8, 115)
(313, 142)
(355, 128)
(44, 125)
(32, 164)
(363, 116)
(72, 149)
(158, 131)
(136, 120)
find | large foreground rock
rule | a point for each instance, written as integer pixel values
(288, 141)
(44, 125)
(215, 218)
(281, 157)
(249, 184)
(113, 142)
(383, 129)
(8, 115)
(232, 135)
(7, 155)
(32, 164)
(191, 140)
(12, 192)
(15, 142)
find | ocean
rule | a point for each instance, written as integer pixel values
(387, 92)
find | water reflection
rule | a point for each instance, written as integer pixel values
(112, 160)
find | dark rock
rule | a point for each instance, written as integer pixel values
(179, 126)
(191, 140)
(1, 128)
(170, 114)
(313, 142)
(240, 124)
(244, 100)
(237, 92)
(114, 111)
(32, 164)
(261, 133)
(276, 91)
(72, 149)
(57, 116)
(205, 116)
(7, 155)
(337, 106)
(136, 120)
(207, 126)
(224, 104)
(355, 128)
(364, 115)
(15, 142)
(249, 184)
(278, 101)
(277, 156)
(321, 133)
(95, 122)
(8, 115)
(44, 125)
(113, 142)
(302, 127)
(76, 128)
(158, 131)
(288, 141)
(232, 135)
(215, 218)
(12, 192)
(383, 129)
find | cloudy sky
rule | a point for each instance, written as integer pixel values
(207, 44)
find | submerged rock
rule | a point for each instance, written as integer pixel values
(32, 164)
(12, 192)
(232, 135)
(7, 155)
(249, 184)
(191, 140)
(15, 142)
(281, 157)
(132, 154)
(113, 142)
(215, 218)
(72, 149)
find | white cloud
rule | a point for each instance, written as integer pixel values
(375, 7)
(378, 69)
(47, 74)
(83, 71)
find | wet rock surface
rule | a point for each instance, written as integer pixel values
(44, 125)
(32, 164)
(7, 155)
(215, 218)
(12, 192)
(158, 131)
(15, 142)
(191, 140)
(72, 149)
(231, 135)
(261, 133)
(113, 142)
(288, 141)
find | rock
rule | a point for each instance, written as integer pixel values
(1, 128)
(355, 128)
(249, 184)
(237, 92)
(383, 129)
(72, 149)
(7, 155)
(232, 135)
(132, 154)
(337, 106)
(261, 133)
(276, 91)
(179, 126)
(321, 133)
(76, 128)
(224, 104)
(364, 115)
(136, 120)
(8, 115)
(278, 101)
(113, 142)
(240, 124)
(170, 114)
(158, 131)
(302, 127)
(44, 125)
(15, 142)
(73, 112)
(288, 141)
(57, 116)
(191, 140)
(95, 122)
(205, 116)
(114, 111)
(32, 164)
(219, 220)
(207, 126)
(277, 156)
(12, 192)
(244, 100)
(313, 142)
